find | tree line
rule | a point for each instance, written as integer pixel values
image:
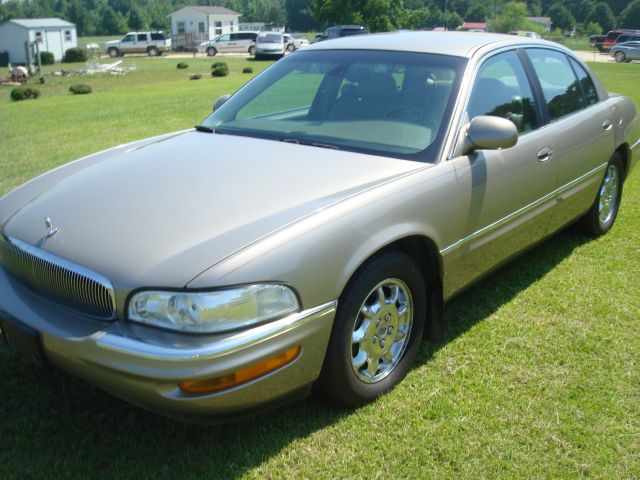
(109, 17)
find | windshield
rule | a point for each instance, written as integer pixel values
(269, 38)
(387, 103)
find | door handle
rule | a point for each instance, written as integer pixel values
(545, 154)
(606, 125)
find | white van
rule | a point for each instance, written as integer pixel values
(237, 42)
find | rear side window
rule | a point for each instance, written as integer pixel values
(142, 37)
(501, 89)
(157, 36)
(588, 88)
(560, 87)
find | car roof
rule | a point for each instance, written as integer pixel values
(461, 44)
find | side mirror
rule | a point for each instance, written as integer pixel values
(489, 133)
(221, 101)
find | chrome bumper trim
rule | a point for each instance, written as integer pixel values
(222, 347)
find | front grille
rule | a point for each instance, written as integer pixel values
(58, 280)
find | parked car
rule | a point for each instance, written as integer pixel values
(294, 41)
(611, 38)
(239, 42)
(625, 52)
(342, 31)
(270, 44)
(627, 37)
(309, 231)
(595, 40)
(525, 33)
(152, 43)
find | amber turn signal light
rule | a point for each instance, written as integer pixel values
(210, 385)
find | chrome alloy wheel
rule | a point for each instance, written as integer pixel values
(381, 330)
(608, 196)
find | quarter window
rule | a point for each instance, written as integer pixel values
(142, 37)
(588, 88)
(502, 90)
(558, 81)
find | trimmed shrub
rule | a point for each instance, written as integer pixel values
(72, 55)
(24, 92)
(220, 69)
(182, 65)
(247, 70)
(46, 58)
(195, 76)
(80, 89)
(41, 80)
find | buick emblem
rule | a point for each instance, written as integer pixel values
(52, 230)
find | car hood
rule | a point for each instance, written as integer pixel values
(161, 214)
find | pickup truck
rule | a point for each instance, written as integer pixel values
(152, 43)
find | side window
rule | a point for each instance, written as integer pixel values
(142, 37)
(129, 38)
(501, 89)
(234, 37)
(224, 38)
(588, 88)
(157, 36)
(559, 84)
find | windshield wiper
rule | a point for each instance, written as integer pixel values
(311, 143)
(202, 128)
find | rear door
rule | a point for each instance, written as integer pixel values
(579, 131)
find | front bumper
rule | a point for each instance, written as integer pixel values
(145, 365)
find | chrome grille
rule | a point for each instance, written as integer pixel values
(58, 280)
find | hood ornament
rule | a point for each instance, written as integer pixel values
(52, 230)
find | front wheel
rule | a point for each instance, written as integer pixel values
(291, 47)
(113, 52)
(376, 332)
(211, 52)
(252, 50)
(602, 214)
(620, 57)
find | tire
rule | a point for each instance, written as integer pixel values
(252, 50)
(291, 47)
(211, 52)
(602, 214)
(620, 57)
(374, 338)
(152, 51)
(113, 52)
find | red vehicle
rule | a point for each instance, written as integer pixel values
(612, 37)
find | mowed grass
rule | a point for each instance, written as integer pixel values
(539, 376)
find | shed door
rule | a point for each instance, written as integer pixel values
(53, 43)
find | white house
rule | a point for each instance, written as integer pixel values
(194, 24)
(53, 34)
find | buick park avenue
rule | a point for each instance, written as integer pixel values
(307, 234)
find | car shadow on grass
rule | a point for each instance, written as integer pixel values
(56, 425)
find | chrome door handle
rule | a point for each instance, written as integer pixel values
(606, 125)
(545, 154)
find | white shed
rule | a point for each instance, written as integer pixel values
(194, 24)
(54, 35)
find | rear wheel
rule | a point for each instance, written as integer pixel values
(252, 50)
(152, 51)
(620, 57)
(376, 332)
(602, 214)
(211, 52)
(290, 47)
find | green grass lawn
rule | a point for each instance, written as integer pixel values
(539, 376)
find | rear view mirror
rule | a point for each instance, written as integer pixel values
(221, 101)
(489, 133)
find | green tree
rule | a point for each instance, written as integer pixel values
(534, 7)
(300, 17)
(512, 17)
(561, 17)
(602, 15)
(630, 16)
(478, 12)
(138, 19)
(112, 22)
(377, 15)
(592, 28)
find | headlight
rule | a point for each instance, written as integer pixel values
(213, 312)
